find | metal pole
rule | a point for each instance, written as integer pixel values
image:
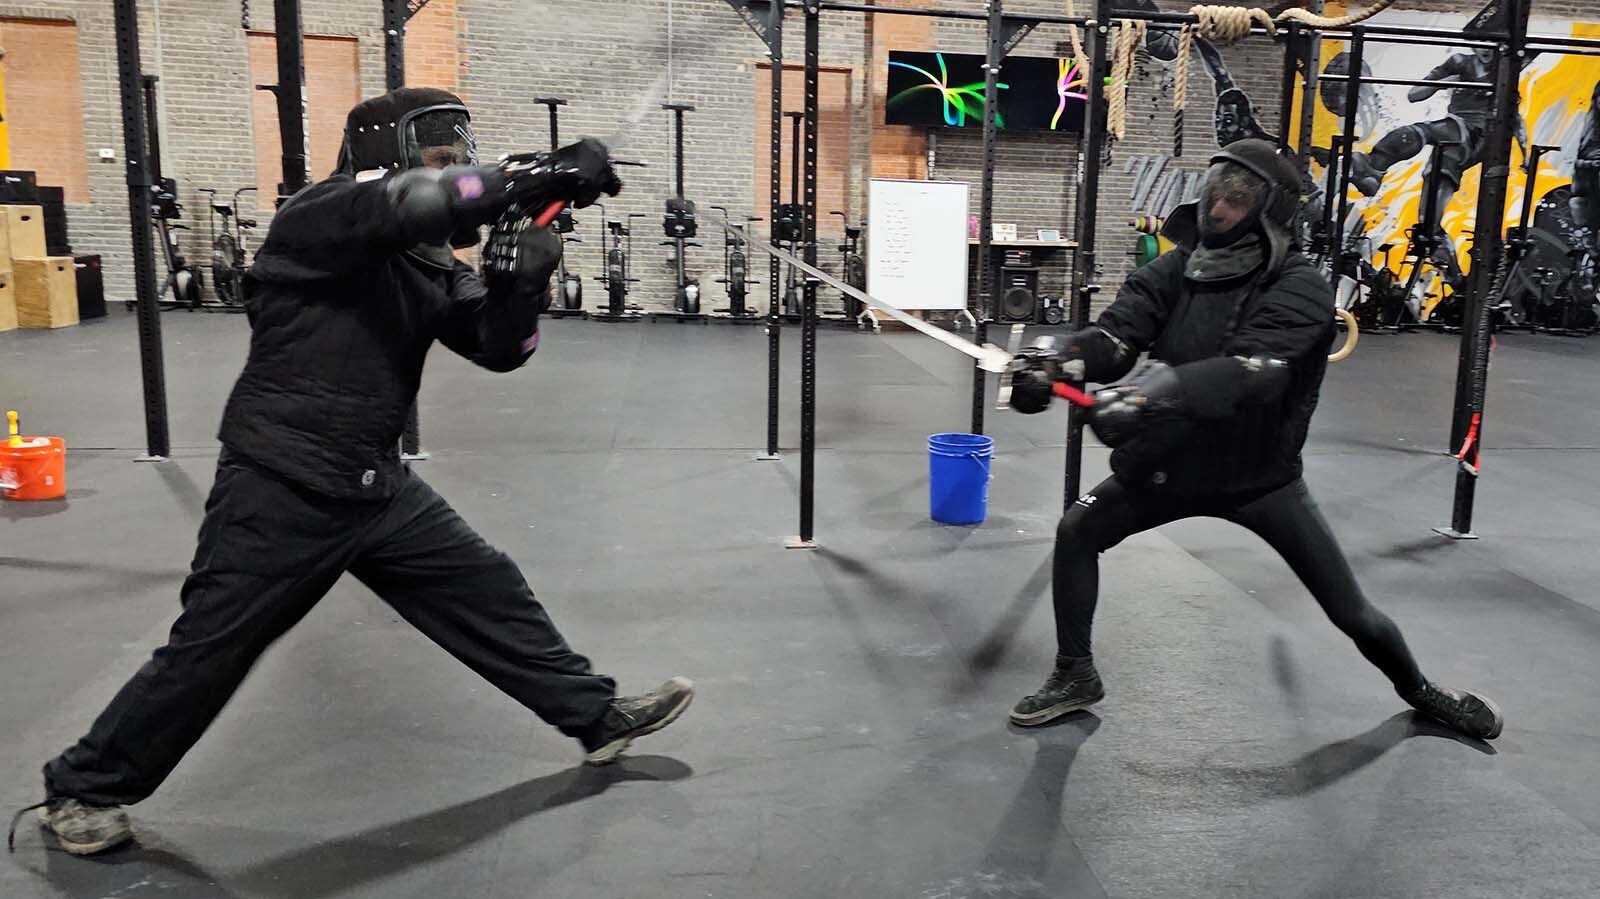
(1352, 106)
(139, 178)
(1094, 137)
(394, 77)
(1291, 66)
(1308, 95)
(1472, 375)
(991, 77)
(775, 195)
(291, 95)
(677, 124)
(808, 320)
(394, 44)
(152, 123)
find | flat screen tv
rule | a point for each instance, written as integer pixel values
(946, 90)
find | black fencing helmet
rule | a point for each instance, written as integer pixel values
(396, 131)
(1250, 174)
(408, 128)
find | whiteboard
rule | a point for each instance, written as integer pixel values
(917, 243)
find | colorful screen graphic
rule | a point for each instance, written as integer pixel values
(946, 90)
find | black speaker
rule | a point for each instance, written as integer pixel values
(1019, 294)
(91, 287)
(1054, 311)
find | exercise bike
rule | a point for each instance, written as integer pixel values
(567, 292)
(228, 248)
(853, 270)
(735, 266)
(615, 270)
(184, 279)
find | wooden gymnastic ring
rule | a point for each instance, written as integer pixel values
(1353, 332)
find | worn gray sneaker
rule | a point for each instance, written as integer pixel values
(1466, 712)
(82, 829)
(631, 717)
(1065, 690)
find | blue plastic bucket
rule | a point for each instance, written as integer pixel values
(958, 477)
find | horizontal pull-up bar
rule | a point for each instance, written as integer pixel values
(1403, 82)
(1413, 40)
(1166, 21)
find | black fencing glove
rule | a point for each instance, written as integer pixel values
(1126, 410)
(1036, 369)
(519, 259)
(577, 174)
(432, 205)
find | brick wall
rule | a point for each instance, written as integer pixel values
(604, 56)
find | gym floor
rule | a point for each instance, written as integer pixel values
(849, 738)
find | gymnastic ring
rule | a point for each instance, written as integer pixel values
(1353, 332)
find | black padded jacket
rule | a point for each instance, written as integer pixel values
(1231, 440)
(342, 318)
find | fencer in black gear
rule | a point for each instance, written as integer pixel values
(353, 284)
(1237, 326)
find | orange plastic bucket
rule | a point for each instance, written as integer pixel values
(35, 470)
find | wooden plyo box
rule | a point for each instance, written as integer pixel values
(8, 303)
(46, 291)
(24, 232)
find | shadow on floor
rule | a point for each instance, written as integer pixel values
(1316, 770)
(344, 863)
(1025, 858)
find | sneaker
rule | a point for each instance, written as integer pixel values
(85, 829)
(1063, 692)
(630, 717)
(1468, 713)
(1366, 177)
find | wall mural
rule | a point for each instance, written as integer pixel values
(1418, 151)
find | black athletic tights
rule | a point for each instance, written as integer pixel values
(1286, 518)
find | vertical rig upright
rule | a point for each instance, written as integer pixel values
(1094, 139)
(151, 359)
(1340, 186)
(1488, 269)
(774, 38)
(993, 54)
(395, 14)
(808, 317)
(291, 95)
(1293, 61)
(394, 44)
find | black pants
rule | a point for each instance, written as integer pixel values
(267, 553)
(1286, 518)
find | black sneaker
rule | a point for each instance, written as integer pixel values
(1063, 692)
(1467, 713)
(630, 717)
(82, 829)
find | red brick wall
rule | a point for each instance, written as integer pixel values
(833, 140)
(333, 85)
(433, 47)
(44, 103)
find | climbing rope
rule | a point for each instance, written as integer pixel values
(1129, 35)
(1227, 24)
(1079, 58)
(1180, 89)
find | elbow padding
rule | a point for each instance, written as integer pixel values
(1214, 388)
(421, 204)
(1105, 357)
